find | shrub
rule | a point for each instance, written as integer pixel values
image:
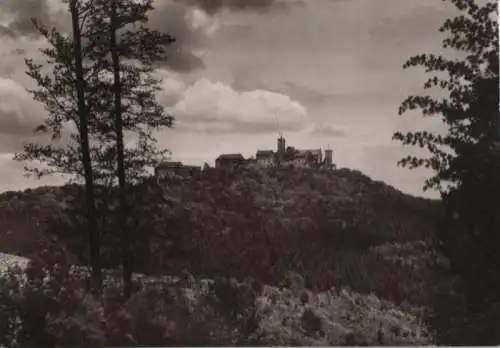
(318, 224)
(48, 304)
(266, 225)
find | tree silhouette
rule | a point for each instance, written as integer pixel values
(104, 95)
(132, 105)
(470, 112)
(465, 162)
(63, 91)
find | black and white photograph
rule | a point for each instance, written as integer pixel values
(249, 173)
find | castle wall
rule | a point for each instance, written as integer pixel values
(265, 162)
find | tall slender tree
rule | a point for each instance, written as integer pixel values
(120, 154)
(138, 48)
(133, 48)
(83, 117)
(63, 91)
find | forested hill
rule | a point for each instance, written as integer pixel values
(328, 226)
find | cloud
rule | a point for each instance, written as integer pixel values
(328, 130)
(246, 79)
(213, 6)
(215, 107)
(191, 22)
(19, 114)
(317, 47)
(172, 85)
(349, 78)
(19, 15)
(190, 28)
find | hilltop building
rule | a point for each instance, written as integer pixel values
(265, 158)
(171, 170)
(251, 163)
(284, 157)
(328, 164)
(291, 157)
(230, 161)
(166, 169)
(288, 157)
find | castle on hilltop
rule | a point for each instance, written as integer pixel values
(283, 157)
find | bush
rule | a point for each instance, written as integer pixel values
(48, 304)
(329, 227)
(319, 222)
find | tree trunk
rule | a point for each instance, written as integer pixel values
(93, 232)
(127, 261)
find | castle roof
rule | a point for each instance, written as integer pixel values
(314, 152)
(192, 167)
(169, 164)
(311, 150)
(265, 153)
(231, 156)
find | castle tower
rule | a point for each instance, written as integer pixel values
(328, 159)
(281, 144)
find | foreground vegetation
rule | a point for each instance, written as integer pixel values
(323, 225)
(350, 255)
(264, 257)
(49, 306)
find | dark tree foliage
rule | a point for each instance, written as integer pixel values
(62, 91)
(466, 164)
(80, 91)
(139, 47)
(127, 65)
(470, 112)
(83, 132)
(126, 50)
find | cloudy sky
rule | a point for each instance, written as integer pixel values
(328, 73)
